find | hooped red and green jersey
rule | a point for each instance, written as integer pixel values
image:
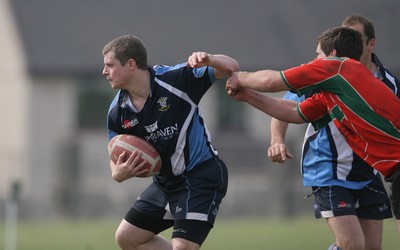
(364, 110)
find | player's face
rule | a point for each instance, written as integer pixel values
(320, 54)
(360, 28)
(116, 73)
(367, 46)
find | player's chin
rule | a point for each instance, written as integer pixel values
(113, 85)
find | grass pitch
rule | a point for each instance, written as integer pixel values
(228, 234)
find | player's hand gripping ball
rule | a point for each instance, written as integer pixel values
(130, 143)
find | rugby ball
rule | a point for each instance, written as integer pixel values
(130, 143)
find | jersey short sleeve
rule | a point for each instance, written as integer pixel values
(314, 75)
(314, 110)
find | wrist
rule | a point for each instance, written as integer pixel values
(276, 142)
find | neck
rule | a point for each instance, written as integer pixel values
(371, 66)
(367, 61)
(140, 86)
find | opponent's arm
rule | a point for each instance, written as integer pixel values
(262, 81)
(223, 65)
(284, 110)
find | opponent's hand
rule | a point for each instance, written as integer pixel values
(234, 90)
(278, 153)
(198, 59)
(232, 85)
(240, 94)
(123, 170)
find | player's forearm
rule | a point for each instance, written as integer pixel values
(284, 110)
(224, 65)
(263, 81)
(278, 131)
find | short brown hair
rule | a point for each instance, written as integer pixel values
(128, 47)
(347, 42)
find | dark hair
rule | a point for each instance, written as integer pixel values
(128, 47)
(369, 30)
(346, 41)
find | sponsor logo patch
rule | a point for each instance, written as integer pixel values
(129, 124)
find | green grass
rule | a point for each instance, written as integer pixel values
(232, 234)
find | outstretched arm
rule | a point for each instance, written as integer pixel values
(262, 81)
(284, 110)
(223, 65)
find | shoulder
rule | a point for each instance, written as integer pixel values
(161, 69)
(184, 71)
(384, 71)
(330, 60)
(321, 63)
(386, 76)
(349, 66)
(117, 103)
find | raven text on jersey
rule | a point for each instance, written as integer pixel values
(162, 133)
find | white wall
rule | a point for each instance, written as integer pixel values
(53, 133)
(14, 98)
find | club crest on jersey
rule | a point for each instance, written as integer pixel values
(152, 127)
(129, 124)
(163, 104)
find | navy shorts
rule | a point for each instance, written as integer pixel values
(189, 202)
(370, 202)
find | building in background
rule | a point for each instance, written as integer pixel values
(15, 94)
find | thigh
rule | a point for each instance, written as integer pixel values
(149, 211)
(179, 243)
(132, 233)
(129, 236)
(347, 231)
(373, 230)
(195, 204)
(201, 193)
(354, 216)
(191, 230)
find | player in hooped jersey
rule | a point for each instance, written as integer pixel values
(337, 175)
(161, 104)
(363, 109)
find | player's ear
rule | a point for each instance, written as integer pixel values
(333, 53)
(371, 43)
(132, 63)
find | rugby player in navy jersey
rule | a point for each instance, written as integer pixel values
(161, 104)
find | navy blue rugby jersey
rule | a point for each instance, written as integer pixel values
(386, 76)
(171, 119)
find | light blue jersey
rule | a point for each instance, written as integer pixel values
(327, 159)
